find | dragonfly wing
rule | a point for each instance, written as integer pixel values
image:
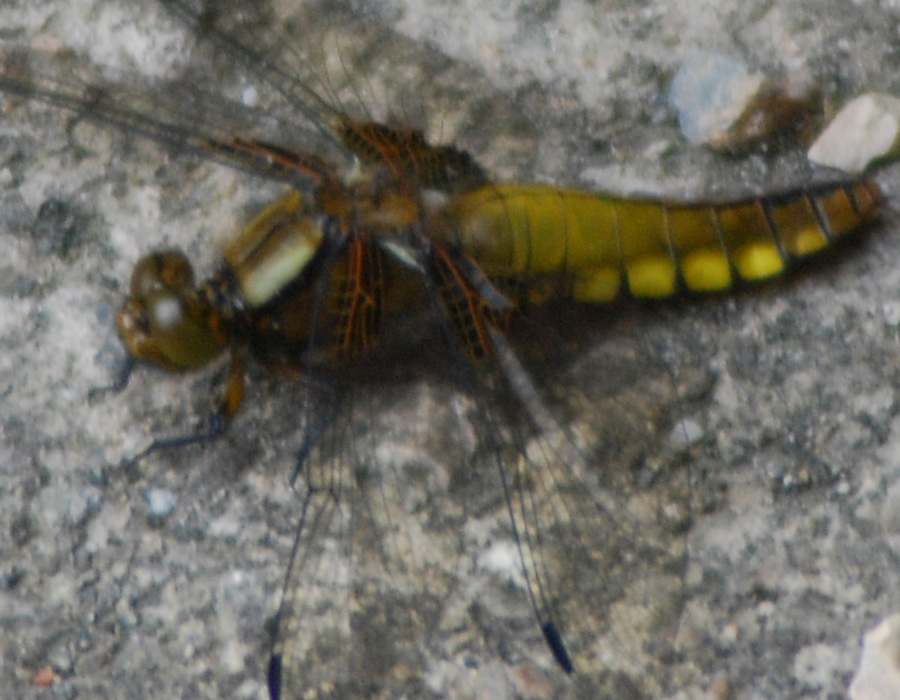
(172, 112)
(411, 578)
(603, 554)
(322, 61)
(368, 579)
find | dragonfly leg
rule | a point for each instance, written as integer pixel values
(119, 383)
(235, 386)
(216, 423)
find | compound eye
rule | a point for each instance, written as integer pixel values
(167, 270)
(181, 330)
(166, 314)
(166, 321)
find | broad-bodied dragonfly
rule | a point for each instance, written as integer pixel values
(411, 579)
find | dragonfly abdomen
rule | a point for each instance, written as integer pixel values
(657, 247)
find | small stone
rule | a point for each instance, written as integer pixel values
(710, 92)
(865, 130)
(162, 502)
(685, 434)
(722, 104)
(878, 676)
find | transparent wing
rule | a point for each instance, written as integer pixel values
(411, 578)
(601, 542)
(304, 69)
(322, 59)
(365, 591)
(174, 112)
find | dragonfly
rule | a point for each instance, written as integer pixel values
(312, 286)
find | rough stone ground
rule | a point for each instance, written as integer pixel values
(793, 560)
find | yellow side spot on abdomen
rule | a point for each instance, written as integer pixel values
(597, 287)
(706, 270)
(758, 260)
(652, 276)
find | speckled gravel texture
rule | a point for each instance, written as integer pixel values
(161, 583)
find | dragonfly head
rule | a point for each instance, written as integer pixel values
(166, 320)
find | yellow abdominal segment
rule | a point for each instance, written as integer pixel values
(656, 246)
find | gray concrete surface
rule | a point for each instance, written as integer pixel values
(792, 554)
